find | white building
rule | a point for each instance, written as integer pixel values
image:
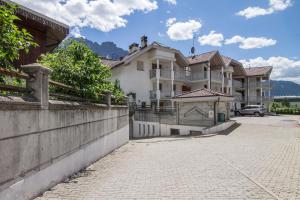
(154, 75)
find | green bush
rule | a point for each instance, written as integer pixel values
(76, 65)
(13, 39)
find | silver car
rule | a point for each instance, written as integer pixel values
(256, 110)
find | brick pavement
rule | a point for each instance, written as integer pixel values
(258, 160)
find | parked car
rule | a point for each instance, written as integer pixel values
(256, 110)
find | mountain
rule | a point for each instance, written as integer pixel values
(106, 49)
(285, 88)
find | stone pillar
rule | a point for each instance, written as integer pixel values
(38, 82)
(209, 76)
(107, 98)
(157, 84)
(172, 82)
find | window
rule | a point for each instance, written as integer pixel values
(205, 86)
(140, 65)
(153, 129)
(174, 87)
(148, 129)
(160, 86)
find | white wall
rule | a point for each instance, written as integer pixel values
(132, 80)
(140, 129)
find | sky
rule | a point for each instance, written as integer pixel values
(254, 32)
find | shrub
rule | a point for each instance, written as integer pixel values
(76, 65)
(13, 39)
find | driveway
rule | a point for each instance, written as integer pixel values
(258, 160)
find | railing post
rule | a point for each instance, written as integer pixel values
(38, 82)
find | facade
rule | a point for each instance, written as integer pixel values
(200, 91)
(253, 88)
(154, 74)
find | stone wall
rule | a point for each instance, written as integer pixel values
(41, 147)
(43, 141)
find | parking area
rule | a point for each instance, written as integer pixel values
(258, 160)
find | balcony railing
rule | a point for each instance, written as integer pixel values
(182, 75)
(238, 84)
(163, 94)
(216, 77)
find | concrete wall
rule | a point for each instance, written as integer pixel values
(41, 147)
(195, 114)
(142, 129)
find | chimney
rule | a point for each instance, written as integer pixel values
(144, 41)
(133, 47)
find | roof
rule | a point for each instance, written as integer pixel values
(227, 60)
(128, 58)
(201, 58)
(109, 62)
(201, 93)
(258, 71)
(238, 68)
(43, 19)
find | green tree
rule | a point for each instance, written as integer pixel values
(75, 64)
(13, 39)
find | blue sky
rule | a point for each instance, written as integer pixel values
(218, 15)
(265, 32)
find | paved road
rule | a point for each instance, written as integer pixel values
(258, 160)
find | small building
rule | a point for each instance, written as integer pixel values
(47, 32)
(200, 111)
(203, 107)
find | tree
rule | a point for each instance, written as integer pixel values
(76, 65)
(13, 39)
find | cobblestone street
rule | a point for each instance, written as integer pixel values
(258, 160)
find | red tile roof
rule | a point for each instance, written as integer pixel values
(110, 63)
(201, 93)
(258, 71)
(205, 57)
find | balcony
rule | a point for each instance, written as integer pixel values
(216, 77)
(238, 84)
(182, 75)
(163, 94)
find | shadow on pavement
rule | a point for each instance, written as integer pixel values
(230, 129)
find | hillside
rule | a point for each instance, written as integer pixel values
(285, 88)
(106, 49)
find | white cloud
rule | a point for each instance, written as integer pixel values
(170, 21)
(274, 5)
(75, 32)
(251, 42)
(104, 15)
(283, 68)
(213, 39)
(183, 30)
(173, 2)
